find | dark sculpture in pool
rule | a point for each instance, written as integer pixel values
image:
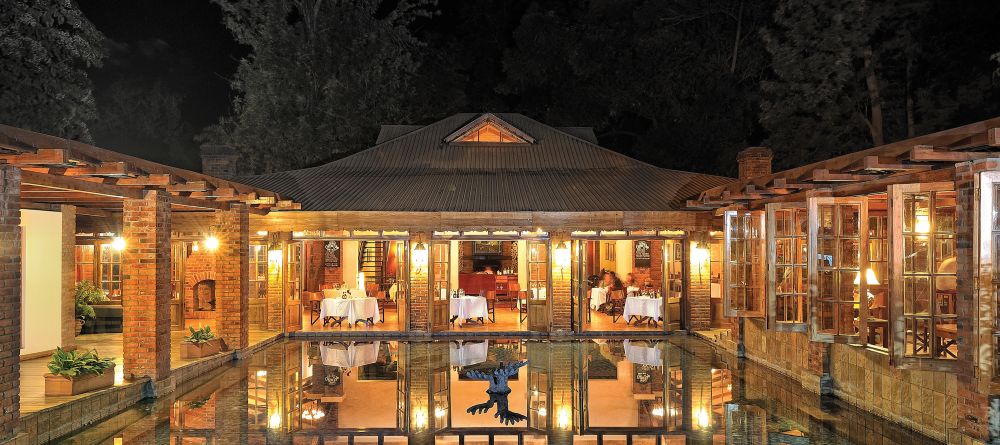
(498, 392)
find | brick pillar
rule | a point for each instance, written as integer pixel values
(419, 287)
(10, 299)
(697, 392)
(561, 301)
(231, 424)
(232, 228)
(418, 379)
(699, 295)
(754, 162)
(68, 310)
(974, 306)
(146, 285)
(560, 355)
(275, 306)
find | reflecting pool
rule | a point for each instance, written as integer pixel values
(673, 390)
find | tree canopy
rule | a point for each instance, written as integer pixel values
(46, 47)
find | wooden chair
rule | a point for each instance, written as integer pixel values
(383, 302)
(491, 304)
(371, 289)
(513, 290)
(312, 300)
(501, 285)
(522, 298)
(616, 305)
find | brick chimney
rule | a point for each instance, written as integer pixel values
(754, 162)
(220, 161)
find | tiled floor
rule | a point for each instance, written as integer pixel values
(33, 396)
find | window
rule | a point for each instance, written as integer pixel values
(110, 271)
(838, 230)
(925, 266)
(878, 281)
(84, 262)
(744, 264)
(988, 223)
(787, 233)
(258, 271)
(538, 269)
(293, 271)
(442, 273)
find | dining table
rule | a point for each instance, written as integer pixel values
(468, 353)
(468, 307)
(349, 355)
(649, 309)
(339, 306)
(643, 353)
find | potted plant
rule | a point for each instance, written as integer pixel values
(87, 293)
(73, 373)
(201, 343)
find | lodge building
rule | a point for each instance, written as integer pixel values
(868, 276)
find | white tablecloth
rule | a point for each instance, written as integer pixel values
(339, 293)
(353, 308)
(643, 307)
(464, 353)
(469, 306)
(349, 355)
(643, 354)
(598, 296)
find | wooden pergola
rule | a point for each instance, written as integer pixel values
(57, 171)
(928, 158)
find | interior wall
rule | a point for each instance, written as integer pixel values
(349, 262)
(522, 263)
(454, 259)
(41, 288)
(623, 258)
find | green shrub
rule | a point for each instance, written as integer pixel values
(72, 364)
(87, 294)
(200, 336)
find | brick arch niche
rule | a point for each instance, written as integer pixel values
(199, 294)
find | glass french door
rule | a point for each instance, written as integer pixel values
(293, 287)
(440, 285)
(538, 286)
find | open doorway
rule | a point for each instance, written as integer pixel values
(629, 284)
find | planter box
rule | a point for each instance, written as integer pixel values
(57, 385)
(193, 350)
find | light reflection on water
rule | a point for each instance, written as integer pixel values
(675, 391)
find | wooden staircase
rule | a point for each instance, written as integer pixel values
(372, 260)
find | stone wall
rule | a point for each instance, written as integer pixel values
(10, 298)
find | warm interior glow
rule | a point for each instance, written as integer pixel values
(262, 232)
(657, 411)
(274, 421)
(869, 278)
(563, 419)
(923, 224)
(211, 242)
(194, 246)
(274, 257)
(420, 417)
(118, 243)
(361, 280)
(562, 256)
(490, 132)
(702, 419)
(419, 257)
(440, 412)
(699, 254)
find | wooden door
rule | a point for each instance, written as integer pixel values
(178, 252)
(674, 282)
(539, 267)
(402, 296)
(293, 288)
(440, 285)
(580, 288)
(257, 300)
(540, 407)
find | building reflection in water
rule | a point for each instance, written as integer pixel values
(590, 392)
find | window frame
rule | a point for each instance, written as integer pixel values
(771, 210)
(896, 296)
(728, 308)
(813, 268)
(986, 273)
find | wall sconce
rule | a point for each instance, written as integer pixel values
(702, 419)
(211, 243)
(419, 257)
(194, 246)
(262, 233)
(699, 256)
(118, 243)
(562, 256)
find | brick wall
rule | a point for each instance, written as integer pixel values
(275, 286)
(561, 300)
(198, 266)
(10, 298)
(699, 296)
(146, 285)
(652, 273)
(232, 269)
(419, 287)
(68, 267)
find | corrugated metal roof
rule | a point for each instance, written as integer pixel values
(417, 171)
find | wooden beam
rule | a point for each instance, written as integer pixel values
(190, 186)
(14, 145)
(44, 156)
(993, 137)
(113, 169)
(875, 163)
(73, 184)
(928, 153)
(824, 175)
(153, 180)
(223, 192)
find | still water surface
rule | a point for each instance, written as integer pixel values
(675, 390)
